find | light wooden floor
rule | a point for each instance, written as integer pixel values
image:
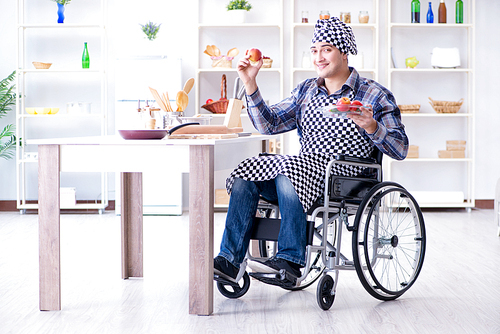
(458, 290)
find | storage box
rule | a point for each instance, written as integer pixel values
(455, 145)
(221, 197)
(412, 151)
(451, 154)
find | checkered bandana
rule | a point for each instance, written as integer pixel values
(337, 33)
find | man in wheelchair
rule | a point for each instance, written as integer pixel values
(296, 181)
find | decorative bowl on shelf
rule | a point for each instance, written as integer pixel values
(31, 111)
(53, 111)
(41, 66)
(446, 107)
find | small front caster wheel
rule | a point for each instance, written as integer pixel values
(324, 293)
(235, 290)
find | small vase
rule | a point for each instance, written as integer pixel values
(60, 13)
(237, 16)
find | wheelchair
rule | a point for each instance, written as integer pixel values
(388, 236)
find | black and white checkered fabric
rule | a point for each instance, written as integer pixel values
(323, 138)
(337, 33)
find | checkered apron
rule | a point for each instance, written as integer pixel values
(323, 138)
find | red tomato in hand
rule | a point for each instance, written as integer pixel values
(209, 101)
(343, 104)
(355, 103)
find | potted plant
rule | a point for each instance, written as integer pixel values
(238, 9)
(7, 100)
(60, 9)
(151, 30)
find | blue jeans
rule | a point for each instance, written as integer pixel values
(242, 209)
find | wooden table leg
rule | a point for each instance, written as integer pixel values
(201, 229)
(49, 228)
(131, 218)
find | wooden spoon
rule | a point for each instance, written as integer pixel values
(182, 100)
(233, 52)
(188, 85)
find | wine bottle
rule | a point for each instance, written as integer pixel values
(85, 57)
(430, 14)
(442, 12)
(415, 11)
(459, 11)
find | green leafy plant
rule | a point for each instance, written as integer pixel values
(239, 4)
(7, 100)
(62, 2)
(150, 29)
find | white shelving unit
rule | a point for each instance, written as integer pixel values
(427, 129)
(213, 29)
(38, 41)
(367, 36)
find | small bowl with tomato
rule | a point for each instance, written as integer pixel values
(342, 108)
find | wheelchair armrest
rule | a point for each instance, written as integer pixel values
(349, 158)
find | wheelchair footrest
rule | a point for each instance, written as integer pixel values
(224, 281)
(283, 278)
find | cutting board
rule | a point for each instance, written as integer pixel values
(206, 129)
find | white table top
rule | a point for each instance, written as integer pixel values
(117, 140)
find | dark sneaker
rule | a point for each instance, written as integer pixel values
(278, 264)
(225, 269)
(278, 272)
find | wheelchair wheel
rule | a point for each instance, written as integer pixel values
(235, 291)
(324, 295)
(388, 241)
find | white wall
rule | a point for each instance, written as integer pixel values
(178, 39)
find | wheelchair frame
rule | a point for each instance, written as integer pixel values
(376, 278)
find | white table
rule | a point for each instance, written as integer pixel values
(131, 158)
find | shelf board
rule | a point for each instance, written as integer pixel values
(76, 206)
(429, 160)
(430, 25)
(419, 115)
(226, 69)
(60, 26)
(61, 115)
(436, 70)
(61, 71)
(242, 25)
(353, 25)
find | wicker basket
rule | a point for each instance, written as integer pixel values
(267, 63)
(409, 108)
(222, 61)
(41, 66)
(446, 107)
(219, 107)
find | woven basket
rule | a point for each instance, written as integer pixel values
(267, 63)
(222, 61)
(409, 108)
(41, 66)
(446, 107)
(219, 107)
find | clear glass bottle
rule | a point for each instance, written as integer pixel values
(85, 57)
(442, 12)
(363, 16)
(305, 16)
(415, 11)
(459, 11)
(430, 14)
(345, 17)
(324, 15)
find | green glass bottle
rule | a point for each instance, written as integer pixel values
(415, 11)
(459, 11)
(85, 57)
